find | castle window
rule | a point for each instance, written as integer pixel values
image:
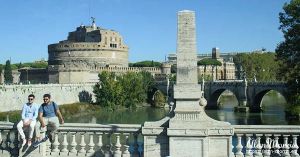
(113, 45)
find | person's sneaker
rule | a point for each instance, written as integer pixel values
(24, 142)
(45, 138)
(37, 143)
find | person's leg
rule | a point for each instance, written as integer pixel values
(38, 130)
(21, 132)
(31, 129)
(53, 126)
(20, 129)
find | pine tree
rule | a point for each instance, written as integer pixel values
(8, 78)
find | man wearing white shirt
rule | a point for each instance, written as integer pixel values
(29, 115)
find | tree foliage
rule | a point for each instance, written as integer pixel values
(288, 51)
(1, 68)
(8, 78)
(145, 64)
(209, 61)
(29, 64)
(127, 90)
(159, 99)
(262, 66)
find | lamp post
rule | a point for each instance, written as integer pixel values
(27, 75)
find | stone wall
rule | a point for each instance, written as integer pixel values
(14, 96)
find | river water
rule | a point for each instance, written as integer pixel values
(273, 114)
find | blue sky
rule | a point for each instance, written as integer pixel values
(147, 26)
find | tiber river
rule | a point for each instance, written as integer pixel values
(273, 114)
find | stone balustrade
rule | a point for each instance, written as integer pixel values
(265, 140)
(78, 139)
(75, 139)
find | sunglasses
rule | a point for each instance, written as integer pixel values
(30, 98)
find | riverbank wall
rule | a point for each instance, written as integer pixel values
(14, 96)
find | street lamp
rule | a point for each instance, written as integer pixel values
(27, 76)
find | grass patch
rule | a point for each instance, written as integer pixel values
(13, 116)
(66, 110)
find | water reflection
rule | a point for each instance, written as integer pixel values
(273, 114)
(137, 116)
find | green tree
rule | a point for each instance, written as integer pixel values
(108, 91)
(20, 65)
(134, 91)
(148, 83)
(145, 64)
(127, 90)
(1, 68)
(263, 66)
(288, 51)
(209, 61)
(8, 78)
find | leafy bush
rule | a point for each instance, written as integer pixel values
(159, 99)
(127, 90)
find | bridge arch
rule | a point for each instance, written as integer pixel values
(215, 96)
(258, 97)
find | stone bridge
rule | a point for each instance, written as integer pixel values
(248, 94)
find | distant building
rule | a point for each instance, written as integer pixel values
(227, 71)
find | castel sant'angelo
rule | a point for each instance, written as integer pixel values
(87, 51)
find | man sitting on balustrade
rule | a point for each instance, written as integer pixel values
(29, 115)
(50, 116)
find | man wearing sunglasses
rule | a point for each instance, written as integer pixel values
(50, 116)
(29, 115)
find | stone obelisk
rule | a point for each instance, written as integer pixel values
(191, 132)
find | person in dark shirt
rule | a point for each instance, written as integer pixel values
(50, 116)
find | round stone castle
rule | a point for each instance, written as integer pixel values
(85, 53)
(87, 47)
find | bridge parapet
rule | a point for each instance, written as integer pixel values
(266, 140)
(78, 139)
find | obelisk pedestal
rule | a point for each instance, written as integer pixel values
(191, 132)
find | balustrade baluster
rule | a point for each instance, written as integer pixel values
(249, 144)
(82, 144)
(239, 146)
(1, 136)
(276, 146)
(91, 145)
(267, 147)
(285, 147)
(55, 144)
(99, 145)
(135, 145)
(14, 142)
(64, 144)
(117, 152)
(48, 147)
(108, 152)
(295, 147)
(126, 152)
(258, 146)
(7, 140)
(73, 144)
